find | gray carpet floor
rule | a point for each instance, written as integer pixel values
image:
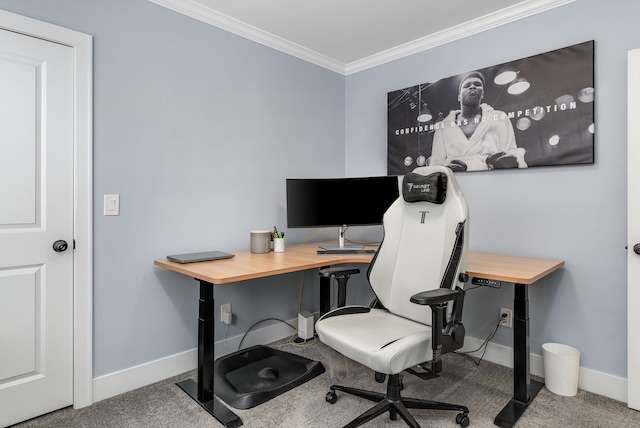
(484, 389)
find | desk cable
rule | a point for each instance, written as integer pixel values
(483, 345)
(292, 339)
(295, 328)
(259, 322)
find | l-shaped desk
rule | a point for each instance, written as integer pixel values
(521, 271)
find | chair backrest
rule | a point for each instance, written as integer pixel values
(425, 242)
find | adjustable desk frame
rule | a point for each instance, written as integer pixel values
(522, 272)
(245, 265)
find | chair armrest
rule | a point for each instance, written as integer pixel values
(342, 275)
(339, 271)
(443, 340)
(435, 297)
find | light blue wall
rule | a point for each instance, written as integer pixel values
(197, 129)
(575, 213)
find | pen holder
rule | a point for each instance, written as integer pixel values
(278, 245)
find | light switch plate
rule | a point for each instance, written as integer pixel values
(111, 204)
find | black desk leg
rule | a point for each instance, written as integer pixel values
(524, 389)
(325, 294)
(202, 391)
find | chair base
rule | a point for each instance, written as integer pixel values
(396, 405)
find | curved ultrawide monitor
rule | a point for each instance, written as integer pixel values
(324, 202)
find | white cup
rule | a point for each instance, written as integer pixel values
(278, 245)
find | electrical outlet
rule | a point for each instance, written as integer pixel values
(226, 316)
(506, 317)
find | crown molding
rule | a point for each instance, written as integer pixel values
(484, 23)
(242, 29)
(487, 22)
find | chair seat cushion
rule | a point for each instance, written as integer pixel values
(382, 341)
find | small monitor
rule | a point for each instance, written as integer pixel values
(327, 202)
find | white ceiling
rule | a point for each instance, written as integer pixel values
(348, 36)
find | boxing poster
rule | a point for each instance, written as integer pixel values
(535, 111)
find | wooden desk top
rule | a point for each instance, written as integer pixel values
(246, 265)
(521, 270)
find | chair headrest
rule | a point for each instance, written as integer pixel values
(430, 188)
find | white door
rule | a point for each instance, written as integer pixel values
(36, 210)
(633, 230)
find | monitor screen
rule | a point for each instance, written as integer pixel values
(324, 202)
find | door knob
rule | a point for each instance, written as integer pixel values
(59, 246)
(636, 248)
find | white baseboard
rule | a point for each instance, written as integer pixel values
(122, 381)
(588, 380)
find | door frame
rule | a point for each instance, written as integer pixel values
(633, 228)
(82, 45)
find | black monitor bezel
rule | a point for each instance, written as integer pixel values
(339, 201)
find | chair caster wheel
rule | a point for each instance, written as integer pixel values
(463, 420)
(380, 377)
(332, 397)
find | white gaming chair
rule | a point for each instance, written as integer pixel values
(417, 276)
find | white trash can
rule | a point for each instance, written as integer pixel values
(561, 368)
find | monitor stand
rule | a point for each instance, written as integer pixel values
(341, 245)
